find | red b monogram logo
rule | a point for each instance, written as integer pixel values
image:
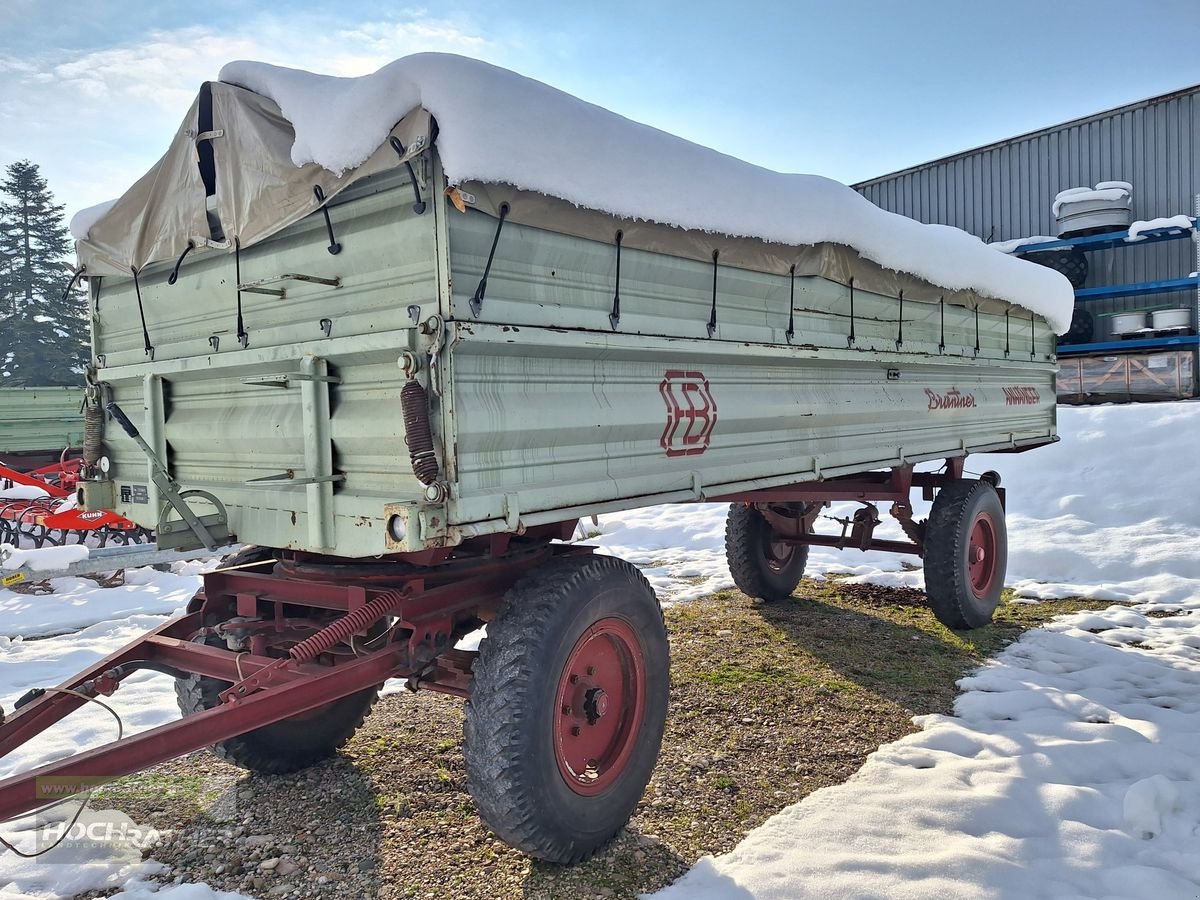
(691, 413)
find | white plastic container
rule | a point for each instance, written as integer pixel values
(1164, 319)
(1128, 323)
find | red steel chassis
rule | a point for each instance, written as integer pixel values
(290, 629)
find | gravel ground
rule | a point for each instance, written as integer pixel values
(768, 703)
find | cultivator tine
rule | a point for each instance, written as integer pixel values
(40, 521)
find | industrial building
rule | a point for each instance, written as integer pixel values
(1135, 332)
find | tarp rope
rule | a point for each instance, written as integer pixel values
(137, 289)
(243, 338)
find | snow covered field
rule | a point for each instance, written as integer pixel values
(1063, 773)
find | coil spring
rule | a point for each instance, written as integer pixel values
(93, 433)
(418, 435)
(352, 623)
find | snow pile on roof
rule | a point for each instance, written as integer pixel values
(1118, 193)
(1180, 222)
(499, 127)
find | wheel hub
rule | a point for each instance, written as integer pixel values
(981, 555)
(595, 705)
(599, 707)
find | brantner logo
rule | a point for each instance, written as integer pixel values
(691, 413)
(1021, 396)
(952, 399)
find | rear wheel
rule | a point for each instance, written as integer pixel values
(286, 746)
(966, 554)
(567, 707)
(762, 566)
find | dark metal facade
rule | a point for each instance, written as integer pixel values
(1005, 190)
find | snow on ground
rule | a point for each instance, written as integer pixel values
(1063, 773)
(497, 126)
(1068, 770)
(78, 602)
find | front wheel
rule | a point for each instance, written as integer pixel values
(567, 707)
(761, 565)
(966, 554)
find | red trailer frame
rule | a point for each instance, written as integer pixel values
(296, 629)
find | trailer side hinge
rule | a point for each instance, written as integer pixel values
(260, 286)
(287, 378)
(287, 478)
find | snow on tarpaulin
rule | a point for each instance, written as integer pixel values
(82, 221)
(496, 126)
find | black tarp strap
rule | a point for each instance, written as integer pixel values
(614, 318)
(418, 204)
(900, 324)
(791, 329)
(850, 337)
(137, 289)
(942, 315)
(977, 330)
(481, 288)
(1032, 337)
(334, 247)
(174, 276)
(242, 337)
(712, 316)
(1007, 342)
(74, 281)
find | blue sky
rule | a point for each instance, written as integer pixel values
(93, 91)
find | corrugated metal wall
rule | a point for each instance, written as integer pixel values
(1005, 190)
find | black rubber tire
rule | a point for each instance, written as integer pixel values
(954, 599)
(1082, 328)
(512, 770)
(747, 536)
(286, 746)
(1070, 261)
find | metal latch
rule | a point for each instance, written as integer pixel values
(211, 530)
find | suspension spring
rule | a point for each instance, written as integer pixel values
(352, 623)
(93, 433)
(418, 434)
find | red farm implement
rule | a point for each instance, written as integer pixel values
(37, 507)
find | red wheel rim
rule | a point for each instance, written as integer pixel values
(599, 706)
(777, 554)
(981, 555)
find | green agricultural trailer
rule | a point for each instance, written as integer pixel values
(403, 382)
(37, 424)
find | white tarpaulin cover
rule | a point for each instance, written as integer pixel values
(497, 127)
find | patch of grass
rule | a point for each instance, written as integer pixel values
(725, 783)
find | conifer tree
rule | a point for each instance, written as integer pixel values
(43, 336)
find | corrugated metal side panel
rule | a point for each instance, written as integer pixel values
(40, 418)
(1005, 191)
(558, 419)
